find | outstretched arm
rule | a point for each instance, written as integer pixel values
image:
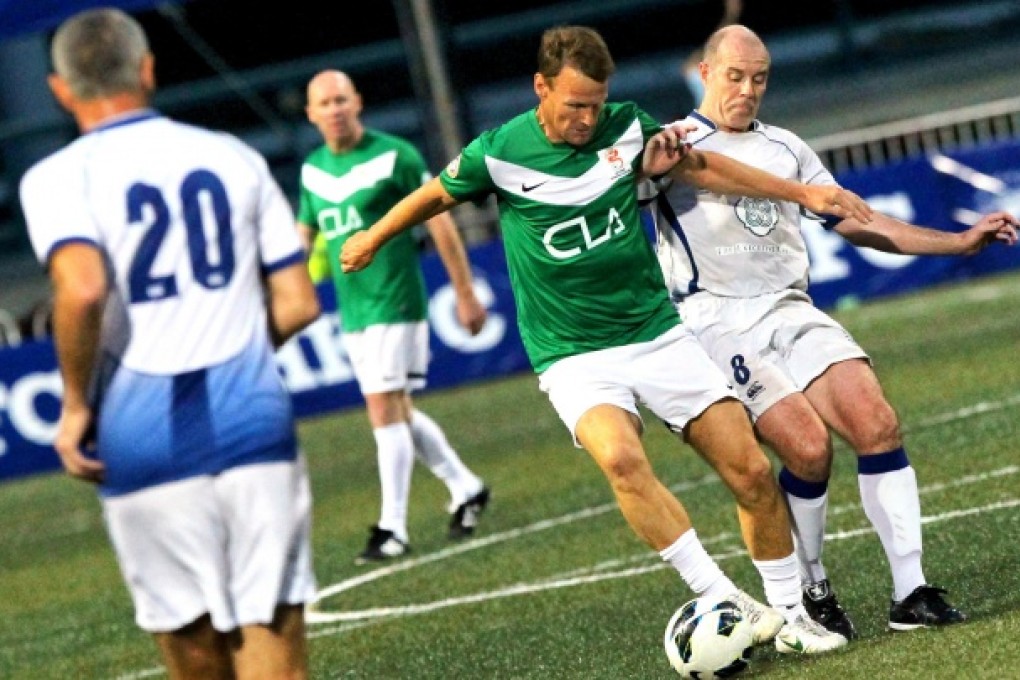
(470, 311)
(80, 286)
(895, 236)
(724, 175)
(420, 205)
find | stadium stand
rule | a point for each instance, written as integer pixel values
(863, 90)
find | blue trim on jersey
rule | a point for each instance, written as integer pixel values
(883, 462)
(647, 221)
(829, 222)
(190, 420)
(755, 126)
(66, 242)
(704, 121)
(801, 488)
(297, 257)
(127, 119)
(156, 429)
(666, 210)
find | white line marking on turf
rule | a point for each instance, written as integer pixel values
(315, 616)
(476, 543)
(977, 409)
(147, 673)
(579, 578)
(351, 620)
(939, 486)
(569, 518)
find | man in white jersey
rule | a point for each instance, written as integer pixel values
(176, 270)
(737, 268)
(596, 320)
(350, 181)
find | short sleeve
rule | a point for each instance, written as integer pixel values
(54, 204)
(467, 177)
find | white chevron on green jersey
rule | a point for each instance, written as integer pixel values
(583, 273)
(343, 193)
(731, 245)
(338, 189)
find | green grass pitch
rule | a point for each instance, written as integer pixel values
(554, 584)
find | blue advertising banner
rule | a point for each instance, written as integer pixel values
(948, 192)
(313, 364)
(320, 377)
(945, 192)
(30, 390)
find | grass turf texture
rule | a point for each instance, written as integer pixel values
(555, 585)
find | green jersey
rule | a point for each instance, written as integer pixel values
(584, 275)
(347, 192)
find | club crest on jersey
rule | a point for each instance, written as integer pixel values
(453, 167)
(618, 167)
(759, 215)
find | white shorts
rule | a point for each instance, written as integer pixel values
(670, 375)
(233, 545)
(770, 346)
(389, 357)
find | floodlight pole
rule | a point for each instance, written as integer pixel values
(438, 103)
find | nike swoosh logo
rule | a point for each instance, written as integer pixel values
(525, 188)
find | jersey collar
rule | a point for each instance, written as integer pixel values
(755, 124)
(127, 118)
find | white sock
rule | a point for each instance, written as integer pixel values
(890, 501)
(395, 453)
(696, 567)
(808, 519)
(436, 453)
(781, 580)
(808, 503)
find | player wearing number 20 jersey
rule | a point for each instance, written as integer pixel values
(187, 384)
(582, 271)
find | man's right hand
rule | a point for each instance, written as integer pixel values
(357, 252)
(75, 439)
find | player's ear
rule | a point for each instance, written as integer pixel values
(540, 85)
(61, 90)
(703, 69)
(148, 72)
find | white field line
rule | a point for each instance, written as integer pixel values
(475, 544)
(318, 617)
(352, 620)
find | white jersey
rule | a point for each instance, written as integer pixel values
(188, 220)
(735, 246)
(186, 240)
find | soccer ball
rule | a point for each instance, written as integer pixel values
(708, 638)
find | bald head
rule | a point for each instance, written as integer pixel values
(735, 70)
(334, 107)
(329, 79)
(733, 37)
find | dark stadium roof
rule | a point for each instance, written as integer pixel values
(31, 16)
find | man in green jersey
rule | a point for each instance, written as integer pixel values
(347, 184)
(596, 319)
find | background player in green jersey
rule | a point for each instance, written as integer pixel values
(597, 322)
(347, 184)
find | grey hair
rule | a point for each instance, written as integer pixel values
(99, 53)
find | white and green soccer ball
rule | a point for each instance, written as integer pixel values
(708, 638)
